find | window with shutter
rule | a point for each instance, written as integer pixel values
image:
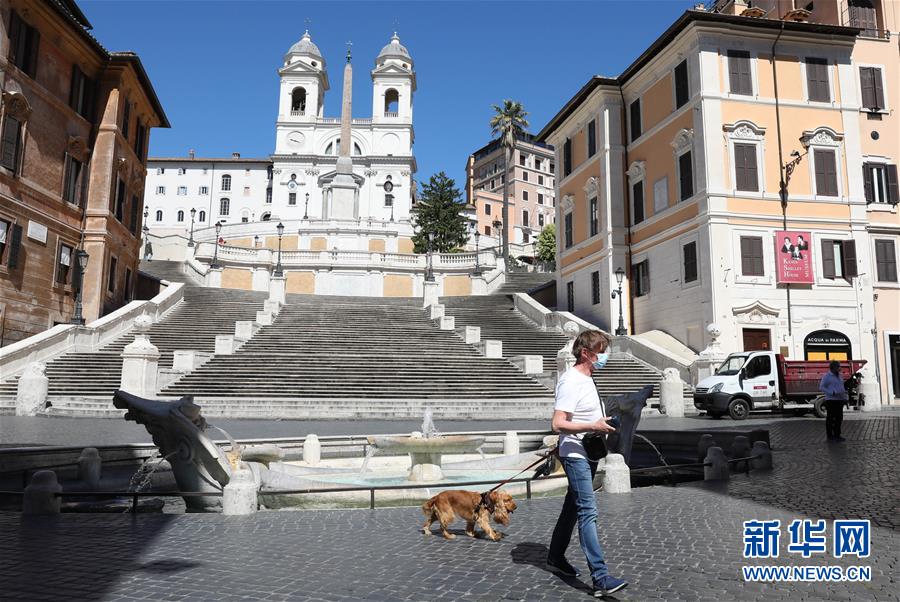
(848, 259)
(595, 287)
(862, 15)
(826, 172)
(828, 264)
(10, 143)
(817, 80)
(893, 191)
(635, 115)
(886, 261)
(745, 169)
(686, 175)
(689, 254)
(15, 246)
(869, 175)
(637, 203)
(593, 221)
(64, 264)
(570, 296)
(739, 75)
(126, 118)
(24, 41)
(592, 138)
(5, 227)
(133, 215)
(568, 230)
(567, 157)
(72, 183)
(752, 256)
(640, 276)
(870, 86)
(111, 276)
(682, 92)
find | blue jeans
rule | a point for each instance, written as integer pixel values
(579, 506)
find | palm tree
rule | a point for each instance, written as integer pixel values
(508, 125)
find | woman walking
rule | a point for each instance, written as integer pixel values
(578, 410)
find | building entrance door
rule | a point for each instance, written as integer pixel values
(893, 353)
(757, 339)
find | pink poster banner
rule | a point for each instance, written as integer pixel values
(793, 257)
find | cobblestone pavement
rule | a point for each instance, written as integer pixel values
(681, 543)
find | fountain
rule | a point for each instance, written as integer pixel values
(425, 448)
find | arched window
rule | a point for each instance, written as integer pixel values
(245, 217)
(180, 217)
(525, 218)
(159, 215)
(356, 150)
(226, 182)
(266, 216)
(203, 216)
(334, 148)
(298, 101)
(391, 103)
(224, 206)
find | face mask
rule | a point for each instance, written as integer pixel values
(601, 360)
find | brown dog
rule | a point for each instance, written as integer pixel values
(447, 505)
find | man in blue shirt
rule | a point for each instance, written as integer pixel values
(832, 387)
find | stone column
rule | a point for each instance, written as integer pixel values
(31, 392)
(430, 296)
(214, 278)
(277, 289)
(312, 450)
(140, 361)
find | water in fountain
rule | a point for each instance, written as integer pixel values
(371, 451)
(428, 428)
(234, 454)
(143, 476)
(658, 453)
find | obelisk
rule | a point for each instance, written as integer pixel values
(344, 190)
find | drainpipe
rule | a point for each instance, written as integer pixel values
(782, 185)
(627, 197)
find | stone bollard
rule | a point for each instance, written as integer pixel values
(264, 318)
(490, 348)
(40, 495)
(312, 450)
(718, 465)
(447, 323)
(473, 335)
(239, 495)
(616, 476)
(188, 360)
(740, 448)
(671, 394)
(437, 311)
(706, 441)
(272, 306)
(510, 443)
(90, 467)
(224, 344)
(529, 364)
(245, 329)
(763, 456)
(140, 361)
(31, 392)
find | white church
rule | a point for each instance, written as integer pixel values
(299, 180)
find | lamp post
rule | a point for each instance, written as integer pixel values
(306, 207)
(620, 275)
(256, 241)
(191, 239)
(477, 271)
(429, 269)
(81, 260)
(215, 261)
(278, 269)
(786, 172)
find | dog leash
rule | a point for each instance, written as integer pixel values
(552, 452)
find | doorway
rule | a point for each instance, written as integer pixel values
(893, 352)
(757, 339)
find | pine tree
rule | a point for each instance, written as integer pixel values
(545, 248)
(439, 210)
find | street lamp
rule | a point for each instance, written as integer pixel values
(429, 270)
(255, 241)
(306, 207)
(191, 239)
(278, 269)
(477, 271)
(81, 259)
(215, 261)
(620, 275)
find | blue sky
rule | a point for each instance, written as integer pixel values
(213, 64)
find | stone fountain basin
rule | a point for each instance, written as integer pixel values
(444, 444)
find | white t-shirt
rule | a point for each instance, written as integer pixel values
(577, 394)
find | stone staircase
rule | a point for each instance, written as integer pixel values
(192, 324)
(372, 357)
(172, 271)
(498, 319)
(522, 282)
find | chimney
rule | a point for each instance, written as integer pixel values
(191, 154)
(235, 155)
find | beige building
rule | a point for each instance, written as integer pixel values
(715, 114)
(75, 122)
(532, 201)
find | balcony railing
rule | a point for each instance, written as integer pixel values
(391, 114)
(297, 113)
